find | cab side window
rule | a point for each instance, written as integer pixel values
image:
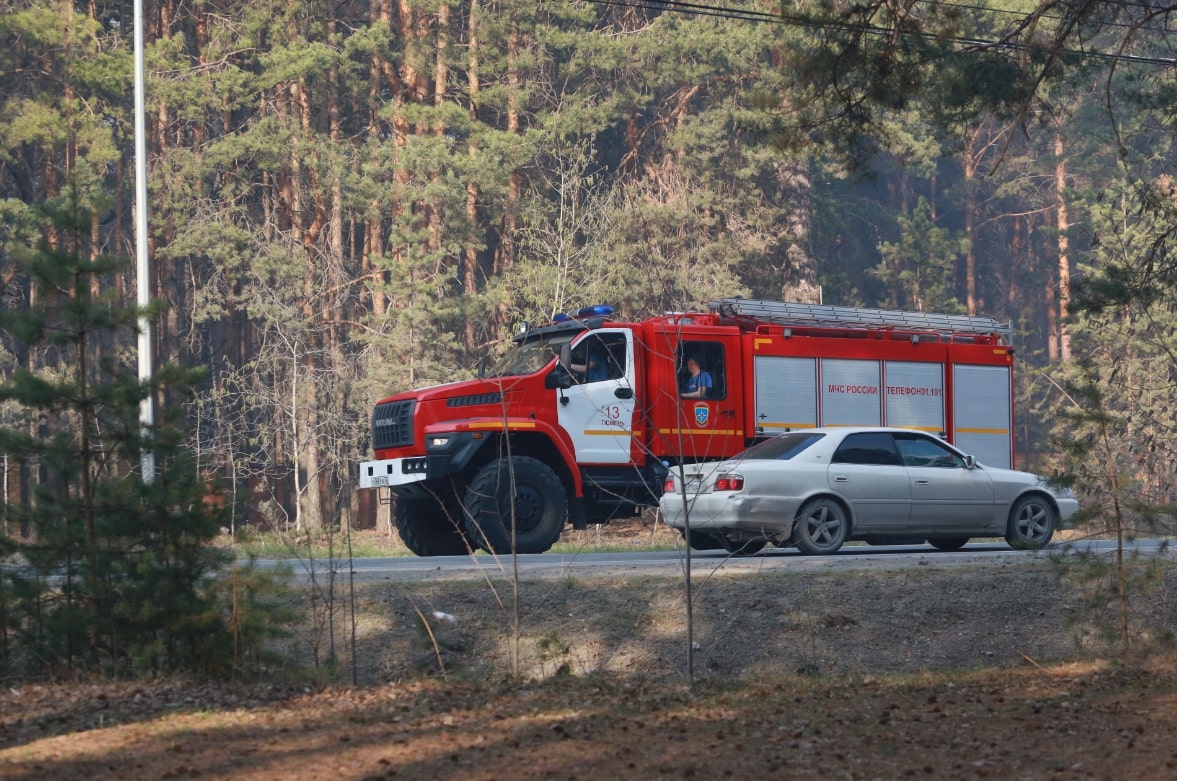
(599, 357)
(701, 370)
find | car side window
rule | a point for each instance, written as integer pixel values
(871, 447)
(927, 452)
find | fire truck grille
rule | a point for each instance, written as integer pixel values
(392, 424)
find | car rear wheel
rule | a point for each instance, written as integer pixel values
(821, 527)
(744, 547)
(947, 543)
(1031, 523)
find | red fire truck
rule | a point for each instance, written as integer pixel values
(580, 420)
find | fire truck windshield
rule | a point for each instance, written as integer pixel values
(530, 356)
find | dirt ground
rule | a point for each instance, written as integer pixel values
(998, 672)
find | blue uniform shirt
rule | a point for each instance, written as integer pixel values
(700, 380)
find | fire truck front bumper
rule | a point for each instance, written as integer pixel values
(393, 472)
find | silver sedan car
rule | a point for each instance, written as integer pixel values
(817, 488)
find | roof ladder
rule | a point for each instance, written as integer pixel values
(787, 313)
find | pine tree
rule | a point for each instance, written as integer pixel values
(107, 570)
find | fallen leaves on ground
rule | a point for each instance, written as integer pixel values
(1094, 720)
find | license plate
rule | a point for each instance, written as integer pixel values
(694, 486)
(378, 480)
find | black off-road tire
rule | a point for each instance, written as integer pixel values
(821, 527)
(701, 540)
(1031, 523)
(744, 547)
(947, 543)
(538, 504)
(430, 527)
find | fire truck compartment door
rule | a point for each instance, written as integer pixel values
(981, 422)
(850, 392)
(786, 395)
(598, 414)
(915, 395)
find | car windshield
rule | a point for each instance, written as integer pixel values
(529, 356)
(782, 447)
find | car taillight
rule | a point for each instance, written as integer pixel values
(729, 483)
(668, 486)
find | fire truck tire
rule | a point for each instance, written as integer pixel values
(538, 505)
(947, 543)
(1031, 523)
(744, 547)
(821, 527)
(429, 527)
(701, 540)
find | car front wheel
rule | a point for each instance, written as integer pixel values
(1031, 523)
(821, 527)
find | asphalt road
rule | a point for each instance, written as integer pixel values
(671, 563)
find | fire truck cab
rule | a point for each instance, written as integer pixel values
(579, 421)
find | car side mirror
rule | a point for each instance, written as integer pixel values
(970, 462)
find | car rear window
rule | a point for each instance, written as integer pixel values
(782, 447)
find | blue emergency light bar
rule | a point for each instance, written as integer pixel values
(597, 310)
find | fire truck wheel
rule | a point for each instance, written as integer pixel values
(429, 527)
(1031, 523)
(538, 506)
(701, 540)
(821, 527)
(744, 547)
(947, 543)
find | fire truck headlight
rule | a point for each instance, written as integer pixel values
(438, 443)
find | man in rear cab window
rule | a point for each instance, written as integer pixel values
(698, 383)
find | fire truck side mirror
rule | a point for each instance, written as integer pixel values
(559, 378)
(561, 375)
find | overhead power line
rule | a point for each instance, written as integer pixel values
(764, 17)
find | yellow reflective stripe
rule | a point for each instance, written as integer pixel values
(786, 425)
(698, 432)
(962, 430)
(612, 432)
(502, 424)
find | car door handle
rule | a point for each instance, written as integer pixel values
(623, 393)
(923, 482)
(841, 479)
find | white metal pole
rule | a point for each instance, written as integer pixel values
(142, 263)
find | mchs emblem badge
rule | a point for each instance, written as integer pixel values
(702, 414)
